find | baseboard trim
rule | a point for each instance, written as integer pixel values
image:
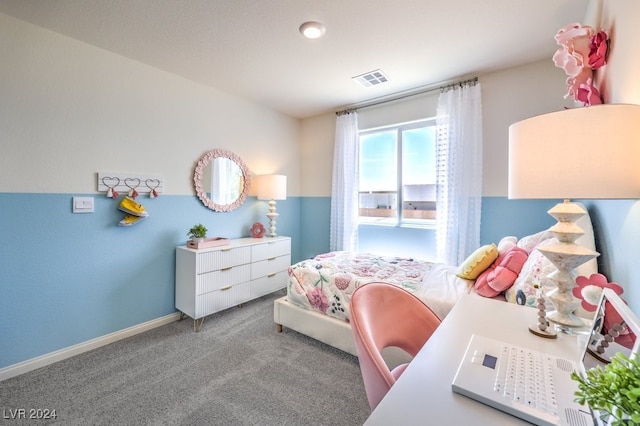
(59, 355)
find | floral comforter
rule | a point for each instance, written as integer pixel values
(326, 282)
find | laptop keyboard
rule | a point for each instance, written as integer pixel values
(527, 378)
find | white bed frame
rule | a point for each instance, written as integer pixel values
(329, 330)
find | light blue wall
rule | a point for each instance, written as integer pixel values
(67, 278)
(616, 225)
(502, 217)
(398, 241)
(315, 213)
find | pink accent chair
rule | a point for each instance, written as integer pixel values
(384, 315)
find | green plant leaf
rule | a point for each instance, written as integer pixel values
(614, 389)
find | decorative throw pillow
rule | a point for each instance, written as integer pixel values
(478, 262)
(534, 272)
(506, 244)
(589, 289)
(530, 242)
(502, 274)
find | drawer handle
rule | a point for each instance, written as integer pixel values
(272, 258)
(271, 275)
(227, 268)
(227, 249)
(225, 288)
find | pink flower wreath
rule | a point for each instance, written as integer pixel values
(589, 290)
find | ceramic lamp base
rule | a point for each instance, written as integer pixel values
(566, 255)
(272, 215)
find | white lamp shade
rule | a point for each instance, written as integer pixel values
(582, 153)
(271, 187)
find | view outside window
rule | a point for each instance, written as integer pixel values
(398, 174)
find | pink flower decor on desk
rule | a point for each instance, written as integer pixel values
(589, 290)
(582, 51)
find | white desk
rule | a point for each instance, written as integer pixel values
(423, 393)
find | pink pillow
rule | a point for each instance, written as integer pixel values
(502, 274)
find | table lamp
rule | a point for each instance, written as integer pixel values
(272, 188)
(582, 153)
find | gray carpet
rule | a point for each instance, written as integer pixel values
(237, 371)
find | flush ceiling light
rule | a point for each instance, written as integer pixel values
(312, 29)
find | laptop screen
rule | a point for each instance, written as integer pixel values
(615, 329)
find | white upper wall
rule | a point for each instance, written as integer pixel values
(507, 96)
(619, 78)
(69, 110)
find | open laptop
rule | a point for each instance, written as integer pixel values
(540, 390)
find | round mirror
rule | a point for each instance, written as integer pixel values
(221, 180)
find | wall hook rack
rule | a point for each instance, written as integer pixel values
(129, 183)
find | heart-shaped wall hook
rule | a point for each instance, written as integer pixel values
(153, 185)
(132, 184)
(111, 183)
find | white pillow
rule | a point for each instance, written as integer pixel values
(530, 242)
(535, 271)
(506, 244)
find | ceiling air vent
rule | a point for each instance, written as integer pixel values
(372, 78)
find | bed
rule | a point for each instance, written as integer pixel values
(319, 289)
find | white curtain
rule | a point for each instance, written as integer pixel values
(343, 233)
(459, 172)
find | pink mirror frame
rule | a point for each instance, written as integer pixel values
(200, 172)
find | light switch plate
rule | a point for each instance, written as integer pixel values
(83, 204)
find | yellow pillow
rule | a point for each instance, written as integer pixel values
(478, 262)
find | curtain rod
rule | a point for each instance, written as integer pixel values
(403, 95)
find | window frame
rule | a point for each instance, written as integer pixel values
(398, 220)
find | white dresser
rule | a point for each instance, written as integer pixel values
(212, 279)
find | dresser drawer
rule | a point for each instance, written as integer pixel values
(268, 284)
(222, 278)
(212, 279)
(270, 266)
(222, 258)
(222, 299)
(270, 249)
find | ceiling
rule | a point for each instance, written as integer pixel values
(252, 48)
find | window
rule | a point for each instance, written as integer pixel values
(398, 174)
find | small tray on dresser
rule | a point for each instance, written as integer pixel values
(209, 242)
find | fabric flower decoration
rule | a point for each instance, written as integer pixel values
(598, 49)
(574, 50)
(581, 51)
(575, 82)
(589, 290)
(588, 94)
